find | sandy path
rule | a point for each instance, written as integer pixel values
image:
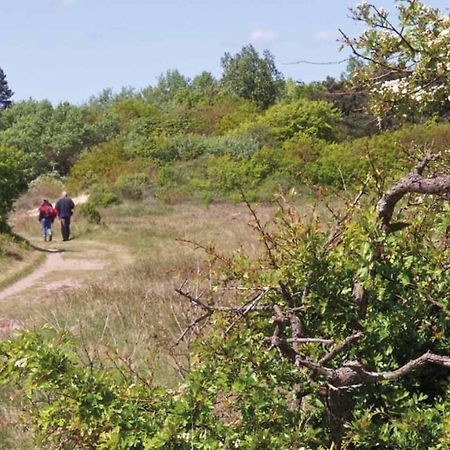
(67, 267)
(53, 263)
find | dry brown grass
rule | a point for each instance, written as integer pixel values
(130, 313)
(134, 310)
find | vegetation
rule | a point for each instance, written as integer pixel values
(5, 92)
(12, 181)
(251, 77)
(332, 333)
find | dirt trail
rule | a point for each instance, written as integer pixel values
(67, 265)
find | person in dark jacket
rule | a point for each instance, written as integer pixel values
(65, 206)
(47, 215)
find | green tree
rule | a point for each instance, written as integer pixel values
(13, 180)
(5, 91)
(205, 83)
(252, 77)
(170, 85)
(53, 137)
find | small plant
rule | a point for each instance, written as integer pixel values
(91, 213)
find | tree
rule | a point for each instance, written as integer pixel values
(5, 92)
(13, 180)
(53, 137)
(251, 76)
(170, 85)
(406, 60)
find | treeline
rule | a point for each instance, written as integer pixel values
(208, 139)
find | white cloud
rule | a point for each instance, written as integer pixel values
(326, 36)
(261, 36)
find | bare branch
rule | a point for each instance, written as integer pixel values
(315, 367)
(311, 341)
(339, 348)
(191, 326)
(247, 307)
(266, 238)
(415, 183)
(194, 300)
(426, 358)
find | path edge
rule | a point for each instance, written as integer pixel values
(23, 272)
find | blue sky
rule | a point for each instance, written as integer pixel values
(72, 49)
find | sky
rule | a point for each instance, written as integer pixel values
(70, 50)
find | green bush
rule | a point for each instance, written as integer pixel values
(102, 195)
(131, 185)
(90, 212)
(313, 118)
(101, 164)
(13, 180)
(104, 164)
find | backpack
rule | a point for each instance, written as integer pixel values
(47, 212)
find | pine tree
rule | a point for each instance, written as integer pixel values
(5, 91)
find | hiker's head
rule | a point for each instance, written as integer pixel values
(64, 194)
(45, 201)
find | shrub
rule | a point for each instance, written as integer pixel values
(101, 195)
(131, 185)
(12, 180)
(90, 212)
(102, 163)
(236, 146)
(313, 118)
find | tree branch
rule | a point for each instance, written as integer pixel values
(415, 183)
(354, 337)
(426, 358)
(349, 42)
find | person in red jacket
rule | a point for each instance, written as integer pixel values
(47, 215)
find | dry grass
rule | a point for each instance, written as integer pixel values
(131, 312)
(134, 310)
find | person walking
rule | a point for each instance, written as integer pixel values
(64, 206)
(47, 215)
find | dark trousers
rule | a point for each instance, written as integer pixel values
(65, 228)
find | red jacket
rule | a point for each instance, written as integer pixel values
(46, 211)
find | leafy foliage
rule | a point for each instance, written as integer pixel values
(407, 59)
(243, 391)
(13, 180)
(5, 91)
(51, 138)
(131, 185)
(252, 77)
(312, 118)
(91, 213)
